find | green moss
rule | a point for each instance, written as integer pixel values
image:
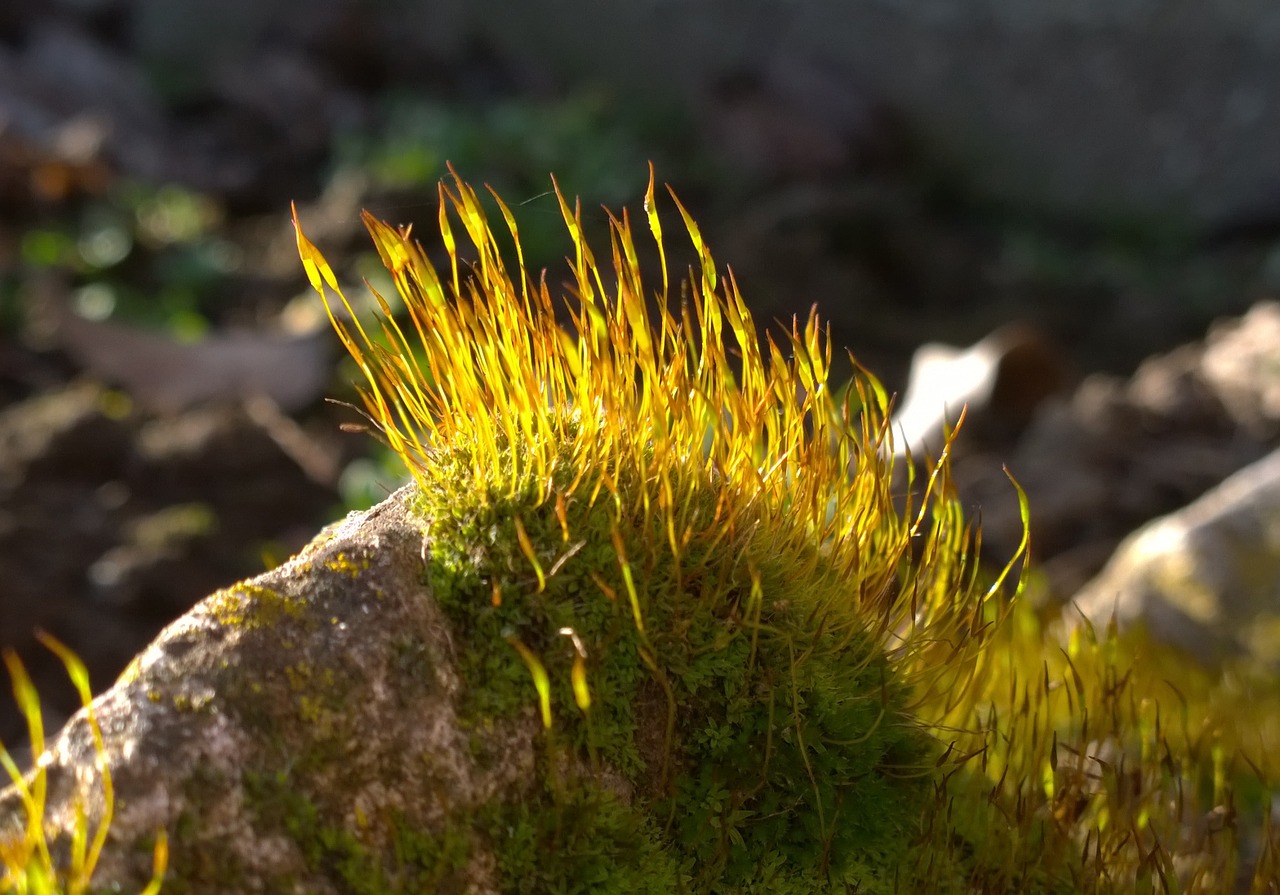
(416, 861)
(761, 726)
(582, 842)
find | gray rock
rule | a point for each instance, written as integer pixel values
(366, 718)
(109, 529)
(1242, 366)
(282, 718)
(1206, 578)
(998, 383)
(1115, 454)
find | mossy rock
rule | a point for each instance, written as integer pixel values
(651, 618)
(360, 721)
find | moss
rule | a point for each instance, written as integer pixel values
(416, 861)
(583, 842)
(681, 546)
(687, 573)
(303, 714)
(778, 744)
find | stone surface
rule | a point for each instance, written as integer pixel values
(998, 383)
(298, 684)
(1206, 578)
(366, 718)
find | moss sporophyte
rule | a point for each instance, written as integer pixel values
(679, 543)
(30, 863)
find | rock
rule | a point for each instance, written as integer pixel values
(162, 373)
(109, 527)
(1242, 367)
(998, 383)
(290, 723)
(1206, 578)
(1115, 454)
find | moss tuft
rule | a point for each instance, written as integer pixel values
(678, 544)
(582, 842)
(685, 555)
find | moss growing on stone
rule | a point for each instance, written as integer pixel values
(246, 605)
(677, 545)
(418, 861)
(676, 635)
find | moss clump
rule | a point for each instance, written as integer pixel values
(580, 842)
(763, 726)
(676, 545)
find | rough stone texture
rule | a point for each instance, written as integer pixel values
(330, 680)
(1206, 578)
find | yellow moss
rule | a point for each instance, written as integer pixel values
(28, 865)
(486, 371)
(713, 494)
(313, 692)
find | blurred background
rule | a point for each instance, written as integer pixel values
(1071, 188)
